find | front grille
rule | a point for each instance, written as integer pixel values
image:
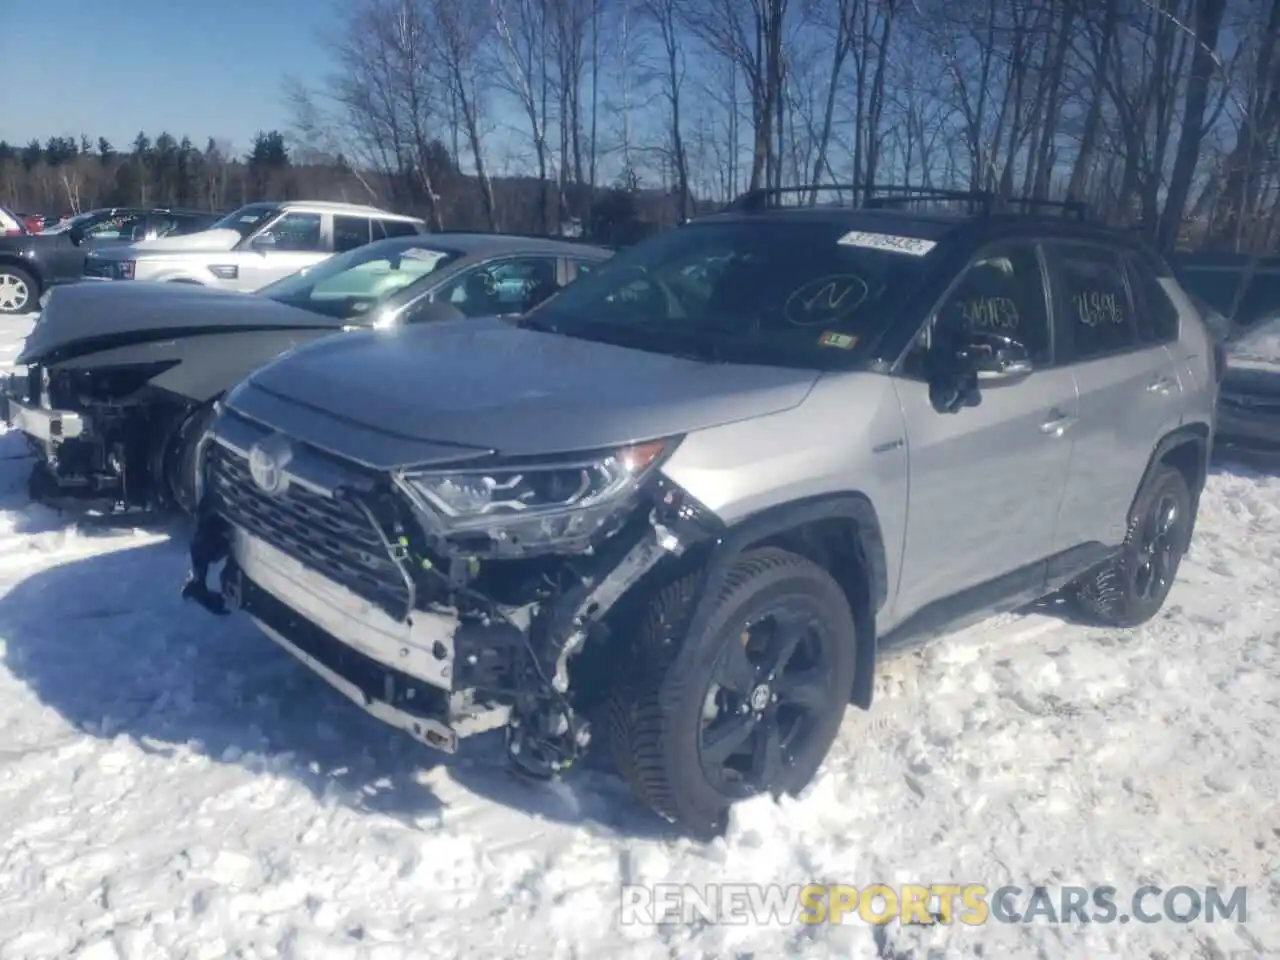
(332, 536)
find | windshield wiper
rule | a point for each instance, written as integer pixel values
(537, 323)
(657, 337)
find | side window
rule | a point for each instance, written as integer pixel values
(131, 228)
(349, 233)
(393, 228)
(1002, 294)
(1093, 300)
(582, 267)
(1156, 315)
(170, 224)
(508, 286)
(294, 233)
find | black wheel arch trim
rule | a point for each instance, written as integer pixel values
(776, 521)
(1197, 434)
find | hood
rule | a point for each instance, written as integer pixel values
(393, 397)
(86, 317)
(213, 241)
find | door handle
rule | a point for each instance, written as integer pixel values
(1160, 385)
(1057, 424)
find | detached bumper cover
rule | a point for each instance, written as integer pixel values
(20, 408)
(47, 426)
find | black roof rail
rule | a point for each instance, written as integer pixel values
(877, 196)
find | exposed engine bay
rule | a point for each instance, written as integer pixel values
(440, 631)
(101, 435)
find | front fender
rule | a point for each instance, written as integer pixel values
(786, 518)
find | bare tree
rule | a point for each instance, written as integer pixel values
(523, 51)
(665, 17)
(461, 31)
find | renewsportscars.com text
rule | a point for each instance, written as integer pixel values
(970, 904)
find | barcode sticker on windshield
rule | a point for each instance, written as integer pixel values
(915, 246)
(422, 253)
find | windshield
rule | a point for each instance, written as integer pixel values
(352, 284)
(789, 293)
(244, 220)
(79, 220)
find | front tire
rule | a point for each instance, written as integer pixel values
(1130, 589)
(19, 291)
(750, 705)
(181, 462)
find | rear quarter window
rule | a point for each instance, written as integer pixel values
(1157, 317)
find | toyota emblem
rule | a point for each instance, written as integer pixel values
(267, 460)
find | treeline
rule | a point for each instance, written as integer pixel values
(70, 175)
(1164, 115)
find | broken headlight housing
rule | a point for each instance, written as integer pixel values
(544, 504)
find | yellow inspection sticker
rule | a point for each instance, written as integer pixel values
(842, 341)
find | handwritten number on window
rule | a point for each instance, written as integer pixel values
(989, 313)
(1098, 307)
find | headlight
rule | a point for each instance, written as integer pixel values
(536, 504)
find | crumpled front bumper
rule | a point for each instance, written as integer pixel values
(391, 668)
(21, 410)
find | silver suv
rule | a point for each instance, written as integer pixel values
(692, 498)
(254, 245)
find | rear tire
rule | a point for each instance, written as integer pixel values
(19, 291)
(730, 714)
(1130, 589)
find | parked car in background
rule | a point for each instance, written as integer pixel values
(34, 222)
(254, 245)
(1249, 401)
(121, 377)
(1240, 286)
(11, 224)
(33, 263)
(696, 492)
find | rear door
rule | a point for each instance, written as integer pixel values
(1129, 388)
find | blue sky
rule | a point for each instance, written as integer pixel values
(113, 67)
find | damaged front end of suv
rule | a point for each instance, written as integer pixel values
(118, 383)
(447, 599)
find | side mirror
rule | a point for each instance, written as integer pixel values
(961, 363)
(262, 242)
(998, 359)
(75, 235)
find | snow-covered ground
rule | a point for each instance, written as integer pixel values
(173, 786)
